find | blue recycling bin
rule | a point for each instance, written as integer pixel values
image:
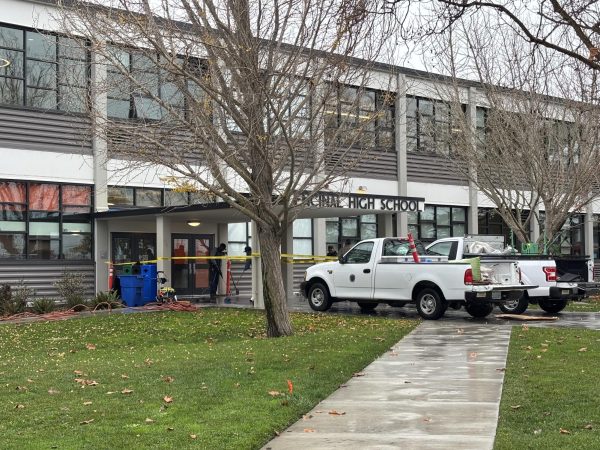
(148, 272)
(131, 289)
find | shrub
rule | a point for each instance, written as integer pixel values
(70, 288)
(104, 300)
(43, 305)
(14, 300)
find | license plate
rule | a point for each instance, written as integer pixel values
(481, 295)
(496, 295)
(565, 292)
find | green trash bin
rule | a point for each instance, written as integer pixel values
(126, 269)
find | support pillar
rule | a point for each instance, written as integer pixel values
(589, 230)
(163, 246)
(102, 254)
(223, 237)
(385, 226)
(400, 142)
(99, 142)
(320, 237)
(287, 269)
(472, 212)
(257, 288)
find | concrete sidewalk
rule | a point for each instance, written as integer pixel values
(438, 388)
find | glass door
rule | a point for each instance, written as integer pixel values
(191, 276)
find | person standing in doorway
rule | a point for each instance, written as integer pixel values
(215, 267)
(331, 251)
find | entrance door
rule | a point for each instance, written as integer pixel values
(191, 276)
(132, 247)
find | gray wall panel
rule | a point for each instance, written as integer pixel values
(426, 167)
(46, 131)
(378, 163)
(41, 276)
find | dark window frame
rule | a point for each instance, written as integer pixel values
(415, 226)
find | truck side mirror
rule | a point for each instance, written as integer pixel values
(342, 259)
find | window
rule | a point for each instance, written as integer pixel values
(238, 235)
(45, 71)
(443, 249)
(156, 93)
(437, 222)
(353, 229)
(490, 222)
(360, 254)
(45, 221)
(400, 247)
(570, 240)
(427, 125)
(360, 117)
(302, 232)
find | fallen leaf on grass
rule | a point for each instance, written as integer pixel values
(78, 372)
(358, 374)
(19, 406)
(582, 349)
(90, 346)
(274, 393)
(515, 406)
(563, 431)
(588, 427)
(52, 391)
(87, 403)
(85, 382)
(170, 429)
(524, 327)
(149, 420)
(22, 388)
(110, 393)
(168, 379)
(86, 422)
(309, 430)
(124, 376)
(333, 412)
(168, 399)
(539, 431)
(193, 436)
(547, 413)
(126, 391)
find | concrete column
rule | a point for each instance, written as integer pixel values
(385, 226)
(287, 269)
(589, 230)
(400, 142)
(99, 142)
(222, 237)
(320, 236)
(257, 288)
(163, 246)
(472, 212)
(102, 254)
(534, 232)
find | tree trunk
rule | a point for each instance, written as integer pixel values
(278, 319)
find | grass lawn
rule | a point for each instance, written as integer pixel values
(551, 398)
(175, 380)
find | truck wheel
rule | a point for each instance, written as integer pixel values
(318, 297)
(552, 306)
(430, 304)
(367, 306)
(479, 309)
(518, 306)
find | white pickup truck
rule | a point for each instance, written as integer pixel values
(382, 270)
(554, 287)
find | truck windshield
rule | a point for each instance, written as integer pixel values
(360, 254)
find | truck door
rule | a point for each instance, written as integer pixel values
(354, 278)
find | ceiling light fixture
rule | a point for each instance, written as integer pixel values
(193, 223)
(361, 190)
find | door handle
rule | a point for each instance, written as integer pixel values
(366, 270)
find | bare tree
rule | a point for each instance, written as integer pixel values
(570, 27)
(244, 100)
(534, 141)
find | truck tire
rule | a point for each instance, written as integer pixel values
(518, 306)
(430, 304)
(318, 297)
(479, 310)
(552, 306)
(367, 306)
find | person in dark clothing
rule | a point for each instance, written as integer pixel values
(215, 266)
(331, 251)
(248, 252)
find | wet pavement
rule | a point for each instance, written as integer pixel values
(438, 388)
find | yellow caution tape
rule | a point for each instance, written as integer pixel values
(287, 257)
